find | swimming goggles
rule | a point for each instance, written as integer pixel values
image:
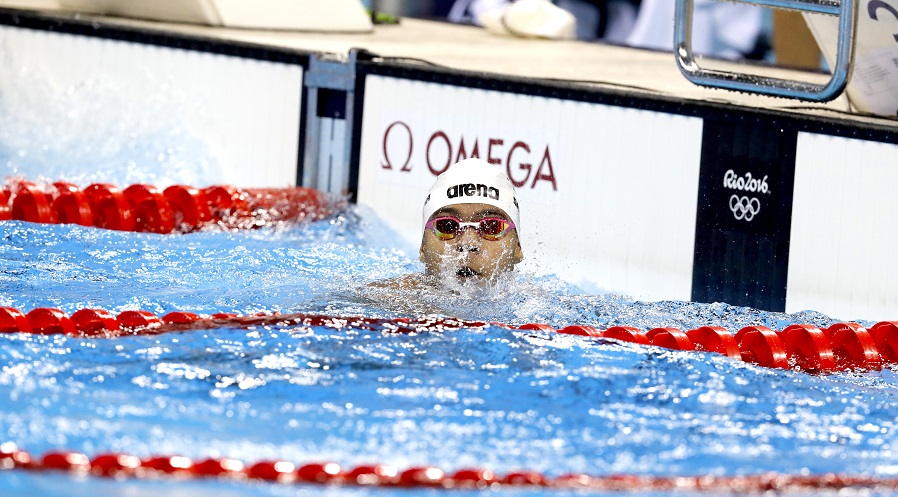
(489, 228)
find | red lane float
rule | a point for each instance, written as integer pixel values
(626, 334)
(65, 461)
(669, 338)
(279, 471)
(190, 207)
(169, 465)
(152, 212)
(110, 207)
(319, 472)
(426, 476)
(13, 320)
(217, 467)
(525, 478)
(93, 322)
(5, 210)
(762, 346)
(144, 320)
(588, 331)
(145, 208)
(226, 200)
(50, 322)
(715, 339)
(808, 348)
(375, 474)
(71, 206)
(853, 347)
(178, 317)
(843, 346)
(473, 478)
(885, 335)
(30, 203)
(117, 465)
(541, 327)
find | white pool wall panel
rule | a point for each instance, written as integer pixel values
(842, 258)
(245, 113)
(622, 208)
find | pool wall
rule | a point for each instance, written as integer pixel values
(242, 104)
(656, 196)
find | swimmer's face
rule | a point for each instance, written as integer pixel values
(468, 257)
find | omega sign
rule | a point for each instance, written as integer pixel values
(526, 165)
(745, 207)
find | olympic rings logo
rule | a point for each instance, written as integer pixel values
(744, 207)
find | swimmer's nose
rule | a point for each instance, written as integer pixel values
(467, 241)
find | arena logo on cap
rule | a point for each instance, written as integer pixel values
(472, 190)
(441, 151)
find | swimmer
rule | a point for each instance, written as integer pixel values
(470, 223)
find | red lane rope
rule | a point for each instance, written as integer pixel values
(804, 347)
(120, 465)
(146, 208)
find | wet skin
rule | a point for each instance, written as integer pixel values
(468, 257)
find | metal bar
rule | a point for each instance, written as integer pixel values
(326, 165)
(830, 7)
(777, 87)
(313, 136)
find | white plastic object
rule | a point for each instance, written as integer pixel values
(873, 86)
(531, 19)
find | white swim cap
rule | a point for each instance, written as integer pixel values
(473, 181)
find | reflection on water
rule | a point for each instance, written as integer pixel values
(491, 397)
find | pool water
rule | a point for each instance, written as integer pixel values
(487, 397)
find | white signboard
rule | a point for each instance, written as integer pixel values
(607, 193)
(841, 257)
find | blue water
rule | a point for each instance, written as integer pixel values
(495, 398)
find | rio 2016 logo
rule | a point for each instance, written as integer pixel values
(744, 207)
(441, 150)
(745, 183)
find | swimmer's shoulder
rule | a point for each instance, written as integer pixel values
(411, 281)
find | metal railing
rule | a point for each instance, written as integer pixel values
(845, 10)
